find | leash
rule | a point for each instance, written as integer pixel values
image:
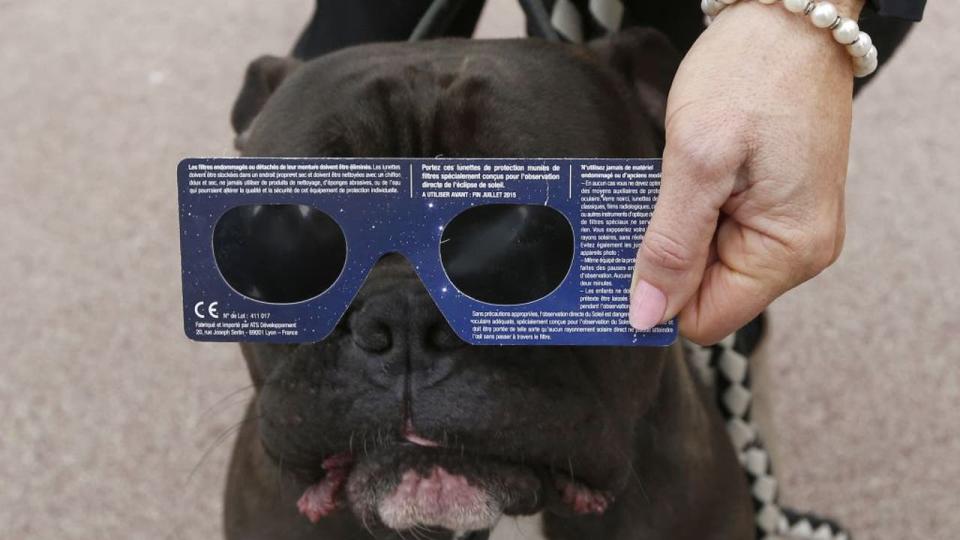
(725, 368)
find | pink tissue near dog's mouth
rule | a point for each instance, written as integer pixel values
(581, 499)
(326, 496)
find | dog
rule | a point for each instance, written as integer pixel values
(393, 427)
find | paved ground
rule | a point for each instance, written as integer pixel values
(107, 413)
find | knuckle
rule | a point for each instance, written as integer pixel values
(664, 251)
(708, 157)
(698, 156)
(705, 331)
(840, 236)
(821, 250)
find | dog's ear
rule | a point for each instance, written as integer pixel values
(647, 61)
(264, 75)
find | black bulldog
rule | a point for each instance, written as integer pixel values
(395, 428)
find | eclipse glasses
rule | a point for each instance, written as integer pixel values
(512, 251)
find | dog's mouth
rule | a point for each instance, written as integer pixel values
(420, 484)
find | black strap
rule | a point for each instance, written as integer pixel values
(539, 20)
(437, 19)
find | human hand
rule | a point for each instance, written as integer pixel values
(751, 200)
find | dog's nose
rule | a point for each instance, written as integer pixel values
(402, 322)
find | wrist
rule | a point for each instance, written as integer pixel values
(827, 27)
(775, 30)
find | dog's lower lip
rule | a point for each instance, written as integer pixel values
(344, 461)
(325, 495)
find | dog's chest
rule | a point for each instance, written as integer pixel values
(519, 528)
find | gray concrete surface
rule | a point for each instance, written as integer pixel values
(112, 424)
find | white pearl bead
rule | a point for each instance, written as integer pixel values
(728, 2)
(866, 64)
(861, 46)
(769, 1)
(711, 8)
(824, 15)
(847, 32)
(796, 6)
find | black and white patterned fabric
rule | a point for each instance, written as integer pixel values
(581, 20)
(725, 368)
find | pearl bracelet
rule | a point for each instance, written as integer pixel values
(845, 31)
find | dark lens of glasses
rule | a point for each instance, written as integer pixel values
(279, 253)
(507, 253)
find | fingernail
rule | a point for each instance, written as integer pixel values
(647, 306)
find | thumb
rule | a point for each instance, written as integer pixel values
(673, 254)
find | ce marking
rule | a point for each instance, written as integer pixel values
(211, 310)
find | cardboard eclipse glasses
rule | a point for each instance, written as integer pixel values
(512, 251)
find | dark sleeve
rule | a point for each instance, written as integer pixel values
(911, 10)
